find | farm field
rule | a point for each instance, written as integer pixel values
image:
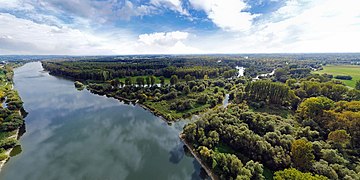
(351, 70)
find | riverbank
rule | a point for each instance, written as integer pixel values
(161, 116)
(8, 151)
(197, 157)
(158, 109)
(12, 112)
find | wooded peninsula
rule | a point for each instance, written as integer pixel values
(281, 119)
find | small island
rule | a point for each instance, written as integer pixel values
(79, 86)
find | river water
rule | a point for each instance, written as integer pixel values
(73, 134)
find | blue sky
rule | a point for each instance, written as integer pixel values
(104, 27)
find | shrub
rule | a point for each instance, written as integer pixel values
(343, 77)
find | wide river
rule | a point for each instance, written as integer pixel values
(75, 135)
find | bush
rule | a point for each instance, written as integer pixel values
(3, 156)
(171, 95)
(181, 105)
(203, 99)
(8, 143)
(343, 77)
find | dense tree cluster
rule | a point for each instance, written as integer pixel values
(269, 92)
(321, 138)
(172, 101)
(107, 70)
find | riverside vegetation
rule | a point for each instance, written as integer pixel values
(11, 111)
(292, 125)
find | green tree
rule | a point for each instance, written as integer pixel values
(357, 85)
(302, 154)
(152, 80)
(162, 80)
(186, 90)
(294, 174)
(314, 107)
(280, 74)
(106, 75)
(128, 81)
(267, 91)
(206, 77)
(340, 137)
(188, 77)
(174, 79)
(148, 81)
(115, 82)
(140, 81)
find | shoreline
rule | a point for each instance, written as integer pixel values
(3, 162)
(188, 146)
(198, 159)
(17, 134)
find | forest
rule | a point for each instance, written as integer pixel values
(292, 124)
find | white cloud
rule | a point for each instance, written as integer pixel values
(129, 10)
(320, 26)
(27, 37)
(299, 26)
(165, 42)
(229, 15)
(175, 5)
(162, 38)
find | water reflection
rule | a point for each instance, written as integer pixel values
(74, 134)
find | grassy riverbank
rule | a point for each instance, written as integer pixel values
(11, 113)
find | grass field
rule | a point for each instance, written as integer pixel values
(351, 70)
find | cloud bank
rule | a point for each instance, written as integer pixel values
(178, 26)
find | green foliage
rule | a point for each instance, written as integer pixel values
(174, 79)
(162, 80)
(293, 174)
(8, 143)
(203, 98)
(343, 77)
(340, 137)
(140, 81)
(313, 108)
(357, 85)
(79, 85)
(302, 154)
(186, 90)
(280, 75)
(269, 92)
(3, 156)
(181, 105)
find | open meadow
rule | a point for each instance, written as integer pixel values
(350, 70)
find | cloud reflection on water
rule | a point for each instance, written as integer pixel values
(77, 135)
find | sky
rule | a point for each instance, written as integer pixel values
(122, 27)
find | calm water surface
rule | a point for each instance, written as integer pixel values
(74, 134)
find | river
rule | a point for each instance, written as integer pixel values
(75, 135)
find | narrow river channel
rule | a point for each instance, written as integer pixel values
(73, 134)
